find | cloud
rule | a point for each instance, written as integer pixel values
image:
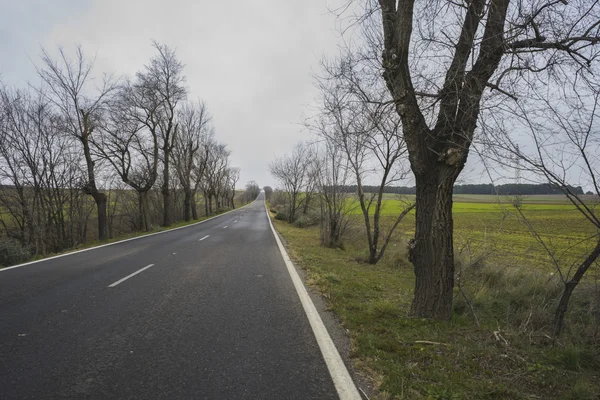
(250, 61)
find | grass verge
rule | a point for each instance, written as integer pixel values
(507, 357)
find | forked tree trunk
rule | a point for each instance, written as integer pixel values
(432, 251)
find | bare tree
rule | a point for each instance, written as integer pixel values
(268, 192)
(82, 108)
(438, 58)
(164, 86)
(356, 117)
(333, 175)
(252, 191)
(233, 176)
(194, 132)
(215, 176)
(559, 142)
(129, 142)
(292, 172)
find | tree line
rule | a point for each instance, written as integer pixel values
(507, 189)
(89, 156)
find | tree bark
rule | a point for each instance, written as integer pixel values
(100, 199)
(432, 251)
(166, 192)
(194, 207)
(145, 223)
(187, 204)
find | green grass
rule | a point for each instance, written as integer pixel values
(508, 357)
(494, 228)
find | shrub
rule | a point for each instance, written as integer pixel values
(12, 252)
(306, 221)
(282, 216)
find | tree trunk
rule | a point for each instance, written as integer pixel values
(166, 193)
(210, 208)
(187, 204)
(563, 305)
(432, 250)
(205, 204)
(194, 208)
(100, 199)
(144, 211)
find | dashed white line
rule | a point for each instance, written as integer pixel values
(225, 227)
(235, 221)
(203, 238)
(129, 276)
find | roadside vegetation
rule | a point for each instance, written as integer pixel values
(498, 343)
(13, 252)
(87, 157)
(447, 297)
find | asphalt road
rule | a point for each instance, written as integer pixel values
(216, 318)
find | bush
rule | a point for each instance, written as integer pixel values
(278, 198)
(282, 216)
(306, 221)
(12, 252)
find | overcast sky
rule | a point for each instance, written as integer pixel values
(251, 61)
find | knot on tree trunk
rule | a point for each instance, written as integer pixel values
(411, 249)
(451, 156)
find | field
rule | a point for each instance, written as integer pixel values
(491, 226)
(508, 279)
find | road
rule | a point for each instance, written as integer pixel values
(211, 314)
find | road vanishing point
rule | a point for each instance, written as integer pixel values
(213, 310)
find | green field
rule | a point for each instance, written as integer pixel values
(513, 289)
(491, 226)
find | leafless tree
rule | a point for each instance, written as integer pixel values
(40, 171)
(558, 141)
(129, 142)
(233, 176)
(164, 88)
(333, 175)
(194, 133)
(252, 191)
(292, 172)
(216, 176)
(354, 115)
(438, 59)
(82, 108)
(268, 192)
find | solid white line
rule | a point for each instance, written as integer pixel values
(120, 241)
(203, 238)
(225, 227)
(342, 380)
(130, 275)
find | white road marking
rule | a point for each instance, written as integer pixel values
(130, 275)
(225, 227)
(203, 238)
(342, 380)
(235, 221)
(120, 241)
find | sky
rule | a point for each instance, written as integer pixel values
(252, 62)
